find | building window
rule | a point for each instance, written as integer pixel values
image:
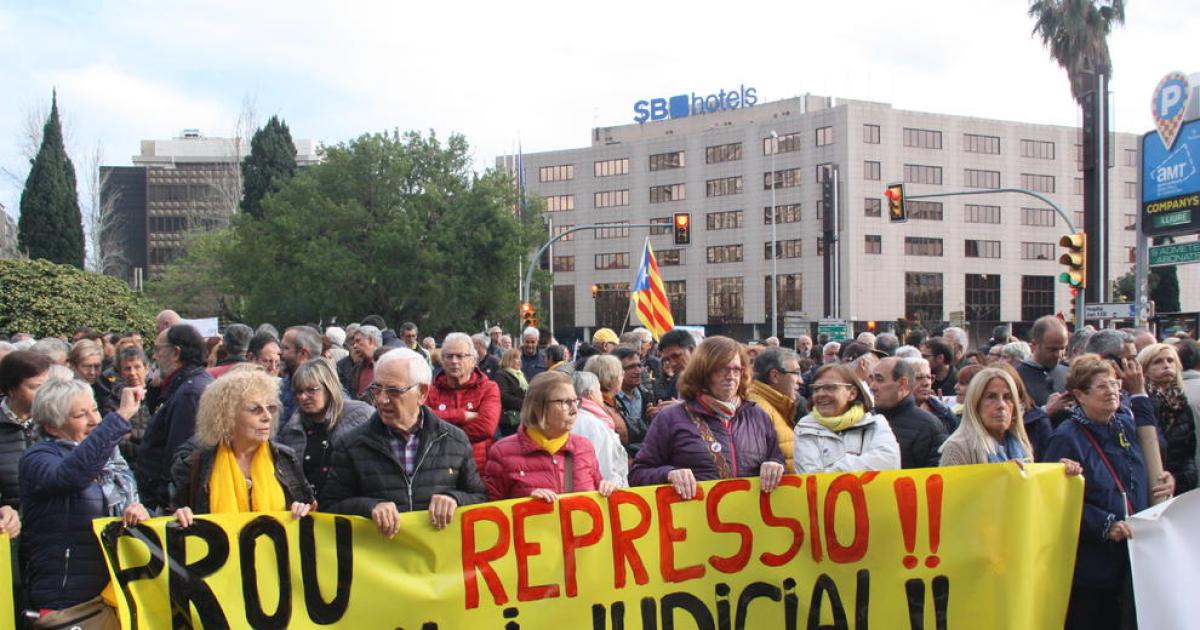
(873, 207)
(920, 174)
(1039, 217)
(723, 153)
(559, 229)
(922, 138)
(789, 289)
(662, 225)
(718, 254)
(1078, 216)
(974, 178)
(1131, 190)
(981, 249)
(782, 144)
(669, 257)
(617, 260)
(558, 203)
(618, 229)
(924, 210)
(923, 296)
(824, 136)
(1131, 157)
(612, 304)
(1130, 221)
(820, 246)
(1131, 255)
(1077, 186)
(723, 186)
(1079, 155)
(725, 300)
(1037, 149)
(668, 192)
(608, 168)
(789, 213)
(824, 171)
(871, 171)
(560, 173)
(973, 143)
(564, 306)
(1037, 251)
(564, 263)
(677, 298)
(168, 225)
(664, 161)
(785, 249)
(983, 297)
(922, 246)
(976, 213)
(789, 178)
(727, 220)
(1037, 297)
(164, 255)
(874, 244)
(1037, 183)
(871, 134)
(610, 198)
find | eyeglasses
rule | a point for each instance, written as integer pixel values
(308, 391)
(564, 403)
(828, 387)
(455, 356)
(1111, 385)
(633, 366)
(258, 410)
(730, 371)
(792, 372)
(389, 393)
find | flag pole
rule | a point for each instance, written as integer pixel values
(641, 262)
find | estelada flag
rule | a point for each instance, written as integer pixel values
(649, 297)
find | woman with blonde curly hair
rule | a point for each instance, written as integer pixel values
(231, 465)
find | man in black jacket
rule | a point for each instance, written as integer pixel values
(919, 433)
(405, 458)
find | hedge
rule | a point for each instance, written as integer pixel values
(45, 299)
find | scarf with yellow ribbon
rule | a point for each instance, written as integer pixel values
(227, 488)
(550, 445)
(840, 423)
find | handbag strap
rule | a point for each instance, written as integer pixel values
(714, 447)
(569, 483)
(1111, 470)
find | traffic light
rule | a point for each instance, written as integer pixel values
(827, 193)
(1075, 259)
(528, 315)
(683, 228)
(897, 213)
(1074, 302)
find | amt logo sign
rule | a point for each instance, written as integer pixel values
(682, 105)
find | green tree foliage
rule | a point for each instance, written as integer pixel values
(43, 298)
(196, 284)
(1076, 33)
(1163, 284)
(388, 223)
(272, 161)
(51, 226)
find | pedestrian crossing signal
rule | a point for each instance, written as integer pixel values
(897, 213)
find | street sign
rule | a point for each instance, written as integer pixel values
(794, 332)
(1171, 183)
(835, 329)
(1169, 105)
(1177, 254)
(1109, 311)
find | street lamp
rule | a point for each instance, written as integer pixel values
(774, 242)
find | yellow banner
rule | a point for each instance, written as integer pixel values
(967, 547)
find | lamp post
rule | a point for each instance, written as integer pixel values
(774, 242)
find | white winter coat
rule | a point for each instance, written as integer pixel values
(868, 445)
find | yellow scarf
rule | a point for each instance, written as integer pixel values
(547, 444)
(227, 491)
(840, 423)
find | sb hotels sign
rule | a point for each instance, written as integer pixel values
(682, 105)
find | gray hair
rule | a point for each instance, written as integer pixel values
(308, 338)
(51, 346)
(916, 362)
(372, 332)
(6, 347)
(585, 383)
(887, 342)
(531, 332)
(269, 329)
(644, 333)
(24, 344)
(52, 402)
(1108, 342)
(907, 352)
(866, 337)
(956, 335)
(463, 338)
(60, 373)
(607, 369)
(419, 371)
(832, 345)
(481, 339)
(335, 335)
(237, 339)
(1078, 342)
(772, 358)
(129, 353)
(1018, 350)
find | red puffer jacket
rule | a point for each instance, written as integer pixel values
(479, 394)
(517, 466)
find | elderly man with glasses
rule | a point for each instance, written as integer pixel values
(463, 396)
(404, 459)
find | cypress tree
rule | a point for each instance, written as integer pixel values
(51, 225)
(272, 161)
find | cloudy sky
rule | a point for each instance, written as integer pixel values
(544, 72)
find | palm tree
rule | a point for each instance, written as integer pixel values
(1076, 32)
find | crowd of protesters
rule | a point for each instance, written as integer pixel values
(370, 421)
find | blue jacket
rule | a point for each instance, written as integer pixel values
(173, 424)
(1101, 564)
(63, 562)
(1038, 429)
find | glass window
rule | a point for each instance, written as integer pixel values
(618, 229)
(873, 207)
(789, 178)
(669, 257)
(564, 263)
(617, 260)
(789, 213)
(723, 186)
(974, 178)
(662, 225)
(789, 290)
(976, 213)
(608, 168)
(871, 134)
(922, 138)
(1037, 149)
(785, 249)
(922, 246)
(664, 161)
(1037, 297)
(1037, 183)
(558, 203)
(824, 136)
(726, 220)
(924, 210)
(871, 171)
(922, 174)
(973, 143)
(559, 229)
(725, 300)
(564, 306)
(983, 297)
(1040, 217)
(610, 198)
(559, 173)
(874, 244)
(981, 249)
(723, 153)
(612, 304)
(668, 192)
(1037, 251)
(677, 297)
(718, 254)
(783, 144)
(923, 296)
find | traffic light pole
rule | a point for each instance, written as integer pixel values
(1059, 211)
(526, 289)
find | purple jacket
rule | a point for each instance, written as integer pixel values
(674, 441)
